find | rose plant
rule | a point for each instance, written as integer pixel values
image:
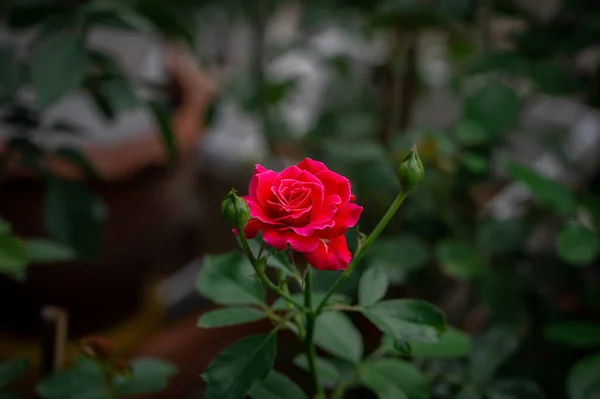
(289, 222)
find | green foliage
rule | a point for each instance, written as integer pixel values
(335, 333)
(275, 386)
(393, 378)
(13, 256)
(88, 379)
(10, 371)
(234, 371)
(226, 279)
(583, 379)
(452, 343)
(73, 216)
(398, 256)
(459, 260)
(577, 244)
(166, 131)
(481, 107)
(546, 191)
(42, 251)
(328, 373)
(576, 334)
(407, 319)
(52, 58)
(372, 287)
(489, 351)
(230, 316)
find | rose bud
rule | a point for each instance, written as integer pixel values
(411, 171)
(235, 211)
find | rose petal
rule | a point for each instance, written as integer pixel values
(312, 166)
(263, 187)
(335, 185)
(258, 211)
(251, 229)
(254, 180)
(280, 239)
(332, 254)
(344, 220)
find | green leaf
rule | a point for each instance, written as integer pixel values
(583, 381)
(453, 343)
(407, 319)
(470, 133)
(74, 216)
(276, 386)
(276, 259)
(578, 245)
(234, 371)
(372, 287)
(475, 163)
(481, 107)
(339, 299)
(546, 191)
(52, 58)
(576, 334)
(501, 237)
(328, 373)
(459, 260)
(13, 256)
(11, 370)
(390, 345)
(398, 256)
(335, 333)
(167, 135)
(489, 351)
(469, 393)
(40, 251)
(514, 389)
(230, 317)
(394, 379)
(228, 279)
(148, 376)
(10, 75)
(85, 380)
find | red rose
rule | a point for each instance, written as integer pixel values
(307, 207)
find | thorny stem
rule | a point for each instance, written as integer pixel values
(365, 245)
(308, 339)
(262, 276)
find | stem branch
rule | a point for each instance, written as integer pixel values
(263, 276)
(365, 245)
(308, 340)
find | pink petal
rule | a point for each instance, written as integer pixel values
(254, 180)
(335, 184)
(280, 239)
(332, 254)
(251, 229)
(344, 220)
(263, 186)
(312, 166)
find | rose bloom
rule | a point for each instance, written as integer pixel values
(306, 207)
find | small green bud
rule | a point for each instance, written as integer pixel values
(235, 210)
(411, 171)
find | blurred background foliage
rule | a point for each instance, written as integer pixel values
(524, 282)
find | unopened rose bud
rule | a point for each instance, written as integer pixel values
(235, 210)
(411, 172)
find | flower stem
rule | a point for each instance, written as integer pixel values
(308, 339)
(365, 245)
(262, 276)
